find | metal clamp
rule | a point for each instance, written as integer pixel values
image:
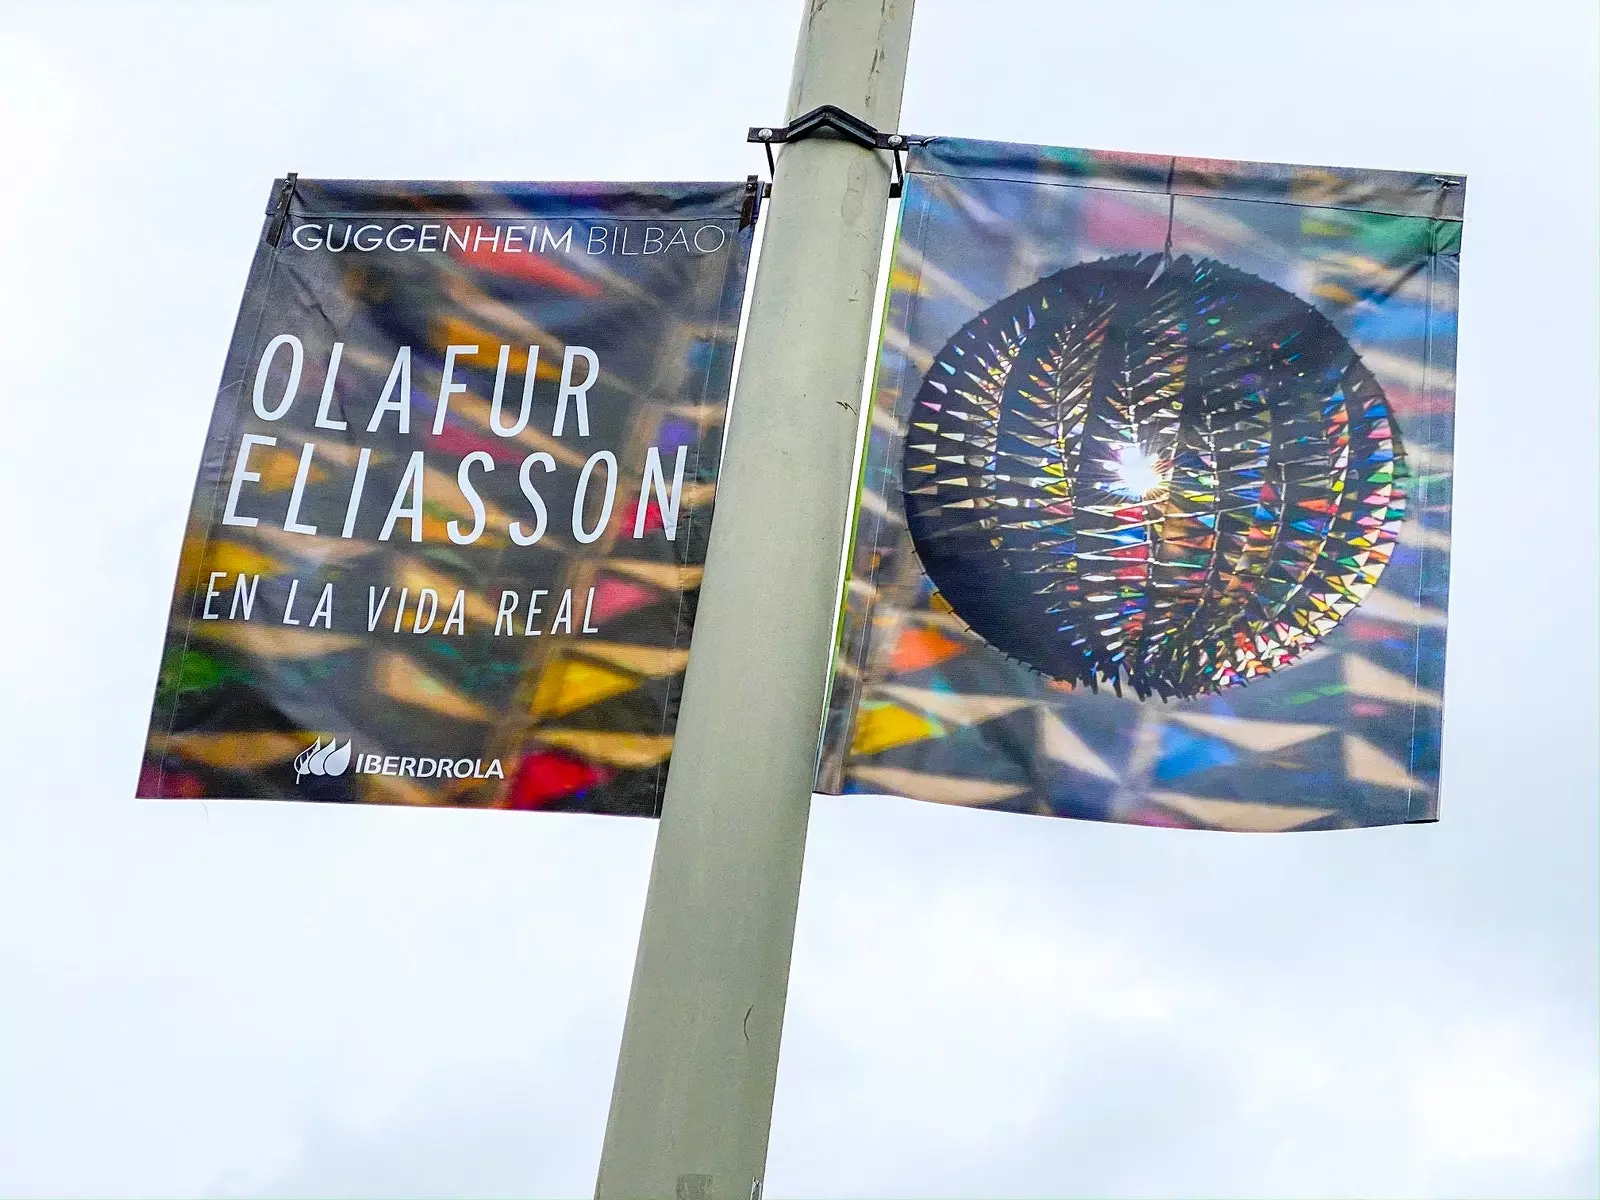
(755, 191)
(279, 209)
(829, 120)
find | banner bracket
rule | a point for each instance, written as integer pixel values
(829, 120)
(279, 212)
(755, 191)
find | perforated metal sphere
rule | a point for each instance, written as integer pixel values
(1172, 475)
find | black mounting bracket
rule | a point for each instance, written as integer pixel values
(755, 191)
(829, 120)
(279, 209)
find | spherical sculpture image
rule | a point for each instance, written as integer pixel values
(1164, 474)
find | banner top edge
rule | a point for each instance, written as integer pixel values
(676, 200)
(1432, 194)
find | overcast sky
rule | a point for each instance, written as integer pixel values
(279, 999)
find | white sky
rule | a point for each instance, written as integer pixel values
(280, 999)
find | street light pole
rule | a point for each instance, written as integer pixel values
(692, 1105)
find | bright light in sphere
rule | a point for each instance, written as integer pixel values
(1137, 474)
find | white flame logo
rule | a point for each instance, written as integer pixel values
(331, 759)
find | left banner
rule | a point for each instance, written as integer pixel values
(450, 520)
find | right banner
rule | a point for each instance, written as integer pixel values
(1154, 524)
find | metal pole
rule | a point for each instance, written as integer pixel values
(692, 1104)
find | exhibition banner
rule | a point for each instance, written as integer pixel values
(1155, 518)
(454, 501)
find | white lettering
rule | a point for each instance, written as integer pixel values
(722, 238)
(241, 476)
(578, 531)
(211, 594)
(356, 488)
(410, 484)
(528, 374)
(297, 360)
(243, 598)
(470, 494)
(324, 420)
(431, 598)
(448, 385)
(288, 608)
(578, 392)
(541, 517)
(655, 480)
(458, 614)
(396, 393)
(563, 620)
(375, 610)
(291, 522)
(324, 609)
(507, 610)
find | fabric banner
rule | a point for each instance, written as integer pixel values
(454, 501)
(1155, 518)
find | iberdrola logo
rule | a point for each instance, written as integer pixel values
(318, 759)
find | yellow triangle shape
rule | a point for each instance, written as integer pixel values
(1060, 743)
(1239, 816)
(275, 641)
(397, 677)
(669, 576)
(279, 468)
(881, 727)
(232, 751)
(232, 558)
(1365, 763)
(703, 415)
(311, 549)
(1367, 679)
(569, 684)
(633, 750)
(954, 706)
(409, 573)
(1263, 737)
(654, 661)
(1417, 534)
(941, 789)
(1387, 606)
(388, 789)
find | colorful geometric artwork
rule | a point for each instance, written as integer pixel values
(454, 502)
(1154, 471)
(1155, 515)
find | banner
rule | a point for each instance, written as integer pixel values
(454, 501)
(1155, 518)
